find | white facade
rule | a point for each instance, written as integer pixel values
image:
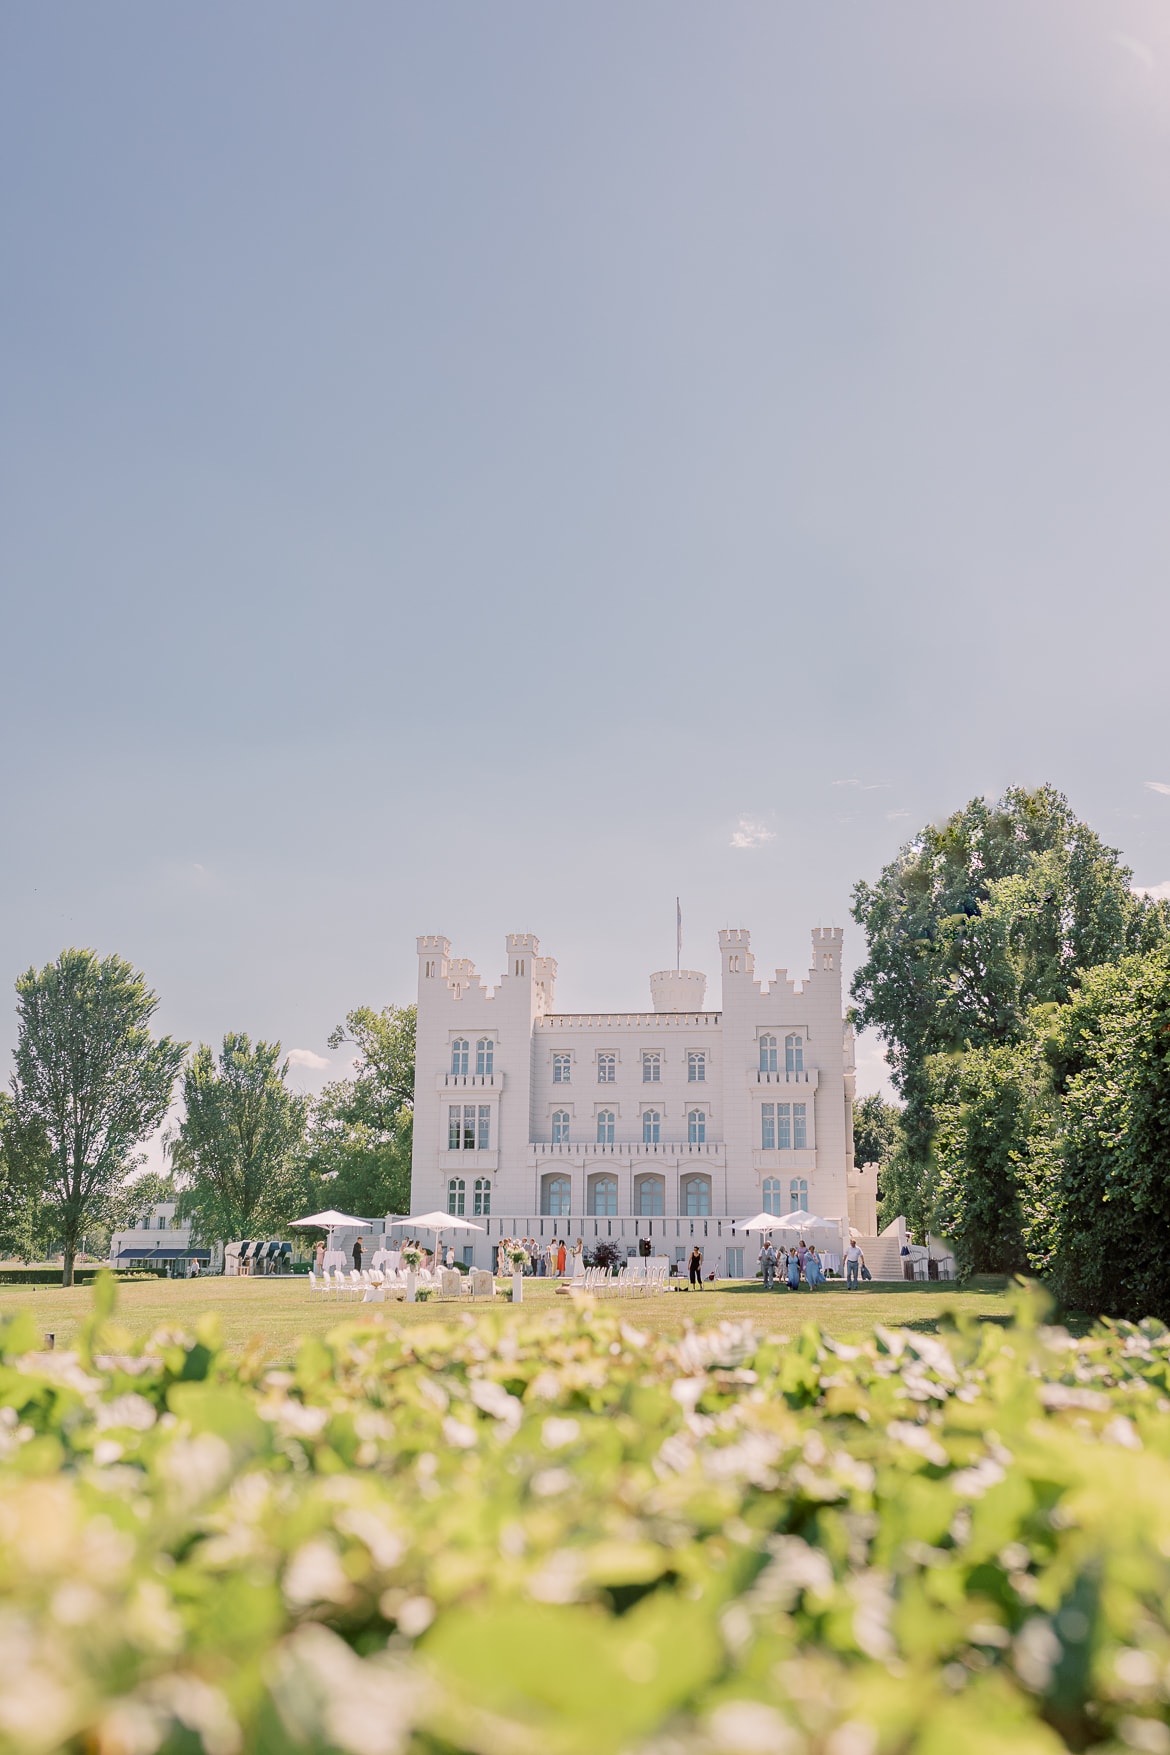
(678, 1119)
(154, 1238)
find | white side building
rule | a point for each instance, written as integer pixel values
(157, 1238)
(676, 1121)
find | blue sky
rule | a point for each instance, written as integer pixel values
(466, 468)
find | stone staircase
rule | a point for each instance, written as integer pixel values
(882, 1256)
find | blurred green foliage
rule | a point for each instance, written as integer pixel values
(585, 1539)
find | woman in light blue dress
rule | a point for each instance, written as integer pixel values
(793, 1271)
(812, 1270)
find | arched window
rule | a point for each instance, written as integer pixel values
(652, 1068)
(651, 1126)
(485, 1056)
(459, 1055)
(455, 1196)
(603, 1196)
(605, 1127)
(606, 1069)
(772, 1195)
(560, 1127)
(649, 1197)
(554, 1196)
(696, 1127)
(697, 1197)
(767, 1054)
(794, 1054)
(562, 1068)
(483, 1197)
(798, 1195)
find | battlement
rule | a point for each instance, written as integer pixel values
(434, 943)
(826, 949)
(522, 941)
(734, 938)
(828, 934)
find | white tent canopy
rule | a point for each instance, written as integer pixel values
(437, 1222)
(798, 1221)
(330, 1221)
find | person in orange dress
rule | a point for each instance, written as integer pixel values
(561, 1258)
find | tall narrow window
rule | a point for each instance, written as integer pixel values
(554, 1196)
(794, 1054)
(650, 1197)
(483, 1198)
(605, 1127)
(485, 1055)
(768, 1127)
(784, 1127)
(603, 1196)
(562, 1068)
(798, 1195)
(799, 1127)
(483, 1127)
(696, 1068)
(696, 1127)
(697, 1197)
(454, 1127)
(767, 1054)
(459, 1055)
(772, 1195)
(651, 1069)
(455, 1196)
(606, 1069)
(651, 1126)
(560, 1127)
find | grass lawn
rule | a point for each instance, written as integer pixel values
(275, 1312)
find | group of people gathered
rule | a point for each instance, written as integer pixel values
(554, 1260)
(790, 1266)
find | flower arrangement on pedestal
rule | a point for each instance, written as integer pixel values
(412, 1258)
(518, 1258)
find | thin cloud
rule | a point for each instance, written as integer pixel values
(1154, 892)
(1158, 786)
(306, 1057)
(1140, 51)
(751, 834)
(892, 816)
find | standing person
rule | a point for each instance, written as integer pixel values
(793, 1271)
(319, 1254)
(768, 1263)
(812, 1268)
(449, 1259)
(561, 1259)
(695, 1264)
(801, 1252)
(358, 1247)
(854, 1262)
(577, 1267)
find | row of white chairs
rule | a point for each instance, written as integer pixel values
(374, 1285)
(640, 1278)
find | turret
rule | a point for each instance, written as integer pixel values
(678, 990)
(434, 956)
(735, 944)
(826, 950)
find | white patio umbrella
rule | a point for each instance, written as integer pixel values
(761, 1222)
(330, 1220)
(438, 1223)
(802, 1221)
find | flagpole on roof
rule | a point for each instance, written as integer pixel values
(678, 936)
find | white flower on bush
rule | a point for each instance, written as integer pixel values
(315, 1575)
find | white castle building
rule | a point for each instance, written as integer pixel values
(674, 1122)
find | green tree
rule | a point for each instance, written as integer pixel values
(989, 1104)
(877, 1130)
(978, 920)
(24, 1169)
(92, 1079)
(239, 1152)
(1098, 1197)
(360, 1137)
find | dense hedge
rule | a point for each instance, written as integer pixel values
(573, 1538)
(82, 1276)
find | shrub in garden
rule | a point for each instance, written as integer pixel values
(575, 1537)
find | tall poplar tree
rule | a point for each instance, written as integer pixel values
(238, 1153)
(91, 1082)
